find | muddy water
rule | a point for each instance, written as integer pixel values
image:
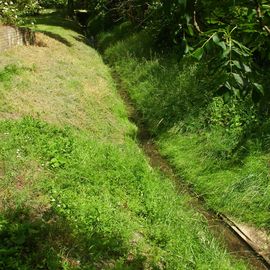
(218, 224)
(234, 243)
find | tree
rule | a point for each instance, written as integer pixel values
(70, 8)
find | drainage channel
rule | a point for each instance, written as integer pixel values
(222, 227)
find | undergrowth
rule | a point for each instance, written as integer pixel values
(216, 143)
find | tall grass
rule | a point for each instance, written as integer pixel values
(76, 190)
(215, 143)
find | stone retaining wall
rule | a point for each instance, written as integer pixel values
(13, 36)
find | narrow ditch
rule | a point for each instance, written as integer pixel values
(224, 229)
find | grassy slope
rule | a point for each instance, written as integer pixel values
(76, 191)
(173, 97)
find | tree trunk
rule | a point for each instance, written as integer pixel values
(70, 8)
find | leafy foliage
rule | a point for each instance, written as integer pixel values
(232, 36)
(12, 12)
(53, 3)
(81, 194)
(218, 143)
(8, 13)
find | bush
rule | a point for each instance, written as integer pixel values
(29, 7)
(52, 3)
(9, 13)
(12, 13)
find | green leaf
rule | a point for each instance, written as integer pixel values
(228, 85)
(236, 92)
(190, 30)
(226, 52)
(216, 38)
(222, 44)
(259, 87)
(218, 42)
(240, 52)
(187, 49)
(238, 79)
(198, 54)
(247, 68)
(186, 46)
(183, 2)
(236, 63)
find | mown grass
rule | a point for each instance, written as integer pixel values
(178, 102)
(76, 190)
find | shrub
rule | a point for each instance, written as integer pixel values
(9, 13)
(52, 3)
(12, 13)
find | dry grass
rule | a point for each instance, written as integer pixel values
(52, 87)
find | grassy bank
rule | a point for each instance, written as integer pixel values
(76, 190)
(202, 134)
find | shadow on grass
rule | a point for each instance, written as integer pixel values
(50, 241)
(57, 18)
(88, 41)
(29, 242)
(57, 37)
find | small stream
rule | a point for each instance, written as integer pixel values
(220, 226)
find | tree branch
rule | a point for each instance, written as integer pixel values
(195, 18)
(260, 17)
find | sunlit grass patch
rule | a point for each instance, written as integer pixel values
(46, 83)
(76, 190)
(102, 197)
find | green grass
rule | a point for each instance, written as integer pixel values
(241, 190)
(76, 190)
(98, 202)
(177, 101)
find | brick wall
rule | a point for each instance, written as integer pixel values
(13, 36)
